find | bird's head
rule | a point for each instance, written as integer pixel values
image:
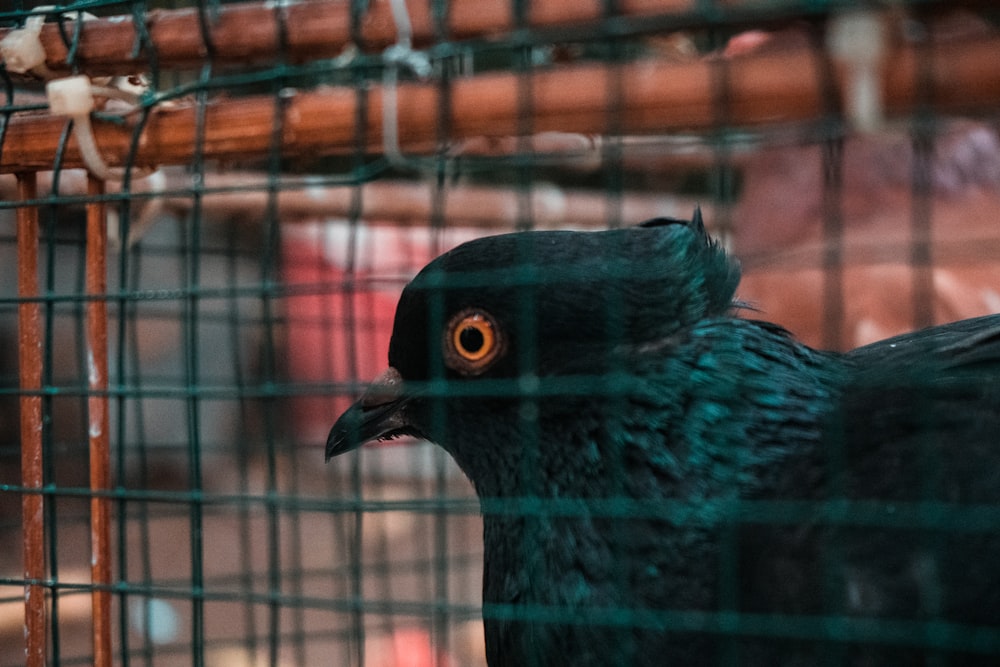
(494, 319)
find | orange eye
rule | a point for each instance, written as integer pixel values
(472, 342)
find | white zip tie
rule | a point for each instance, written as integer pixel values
(856, 40)
(22, 50)
(148, 215)
(400, 54)
(73, 97)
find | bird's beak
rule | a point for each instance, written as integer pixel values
(380, 414)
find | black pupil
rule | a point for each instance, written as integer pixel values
(471, 339)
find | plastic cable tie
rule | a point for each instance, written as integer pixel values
(856, 40)
(21, 49)
(71, 96)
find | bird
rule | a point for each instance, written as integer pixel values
(666, 481)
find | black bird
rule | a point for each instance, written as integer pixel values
(665, 483)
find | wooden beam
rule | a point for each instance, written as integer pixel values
(653, 96)
(256, 32)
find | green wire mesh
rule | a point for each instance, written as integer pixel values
(239, 330)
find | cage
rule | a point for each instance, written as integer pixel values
(209, 210)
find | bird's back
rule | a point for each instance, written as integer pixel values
(779, 506)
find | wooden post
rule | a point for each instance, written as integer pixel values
(29, 314)
(99, 423)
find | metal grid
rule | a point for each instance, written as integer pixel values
(285, 168)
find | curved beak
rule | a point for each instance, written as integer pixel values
(380, 414)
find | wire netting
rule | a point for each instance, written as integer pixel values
(273, 175)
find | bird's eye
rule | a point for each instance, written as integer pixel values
(472, 341)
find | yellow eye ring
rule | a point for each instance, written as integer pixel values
(472, 341)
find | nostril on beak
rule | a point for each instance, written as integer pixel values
(386, 388)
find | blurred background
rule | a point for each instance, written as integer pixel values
(262, 180)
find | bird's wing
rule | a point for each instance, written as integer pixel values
(956, 345)
(920, 415)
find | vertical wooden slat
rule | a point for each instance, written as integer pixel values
(99, 422)
(30, 370)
